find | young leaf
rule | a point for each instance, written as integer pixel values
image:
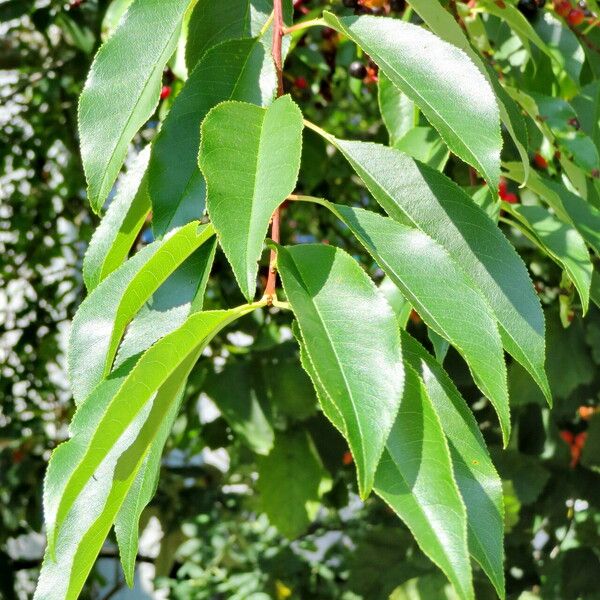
(442, 295)
(116, 234)
(415, 478)
(234, 70)
(122, 89)
(175, 353)
(477, 479)
(563, 244)
(407, 189)
(362, 373)
(441, 80)
(102, 318)
(250, 157)
(290, 482)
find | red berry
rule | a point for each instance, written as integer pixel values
(502, 188)
(165, 92)
(567, 436)
(510, 198)
(576, 17)
(347, 458)
(563, 7)
(540, 161)
(301, 83)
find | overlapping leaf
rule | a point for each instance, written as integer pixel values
(122, 89)
(362, 373)
(116, 234)
(102, 318)
(441, 79)
(441, 294)
(250, 157)
(234, 70)
(113, 432)
(407, 189)
(477, 479)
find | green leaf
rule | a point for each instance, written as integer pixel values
(563, 244)
(442, 295)
(290, 482)
(415, 478)
(123, 87)
(102, 318)
(331, 295)
(409, 190)
(250, 157)
(239, 395)
(397, 109)
(568, 206)
(440, 79)
(174, 354)
(443, 24)
(214, 22)
(477, 479)
(425, 144)
(113, 239)
(238, 70)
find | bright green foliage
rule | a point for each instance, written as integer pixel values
(116, 234)
(401, 320)
(101, 321)
(442, 82)
(123, 87)
(237, 70)
(242, 146)
(290, 481)
(403, 187)
(330, 295)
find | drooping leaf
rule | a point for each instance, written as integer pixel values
(123, 87)
(563, 244)
(290, 482)
(250, 157)
(415, 478)
(175, 353)
(443, 24)
(331, 296)
(236, 69)
(397, 109)
(442, 295)
(440, 79)
(477, 479)
(407, 189)
(102, 318)
(113, 239)
(568, 206)
(425, 144)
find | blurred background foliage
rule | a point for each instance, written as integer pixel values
(229, 523)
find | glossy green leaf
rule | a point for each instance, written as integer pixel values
(113, 15)
(238, 70)
(330, 296)
(122, 89)
(214, 22)
(477, 479)
(397, 109)
(113, 239)
(239, 394)
(425, 144)
(568, 206)
(409, 190)
(177, 352)
(442, 295)
(102, 318)
(563, 244)
(443, 24)
(415, 478)
(250, 157)
(440, 79)
(290, 482)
